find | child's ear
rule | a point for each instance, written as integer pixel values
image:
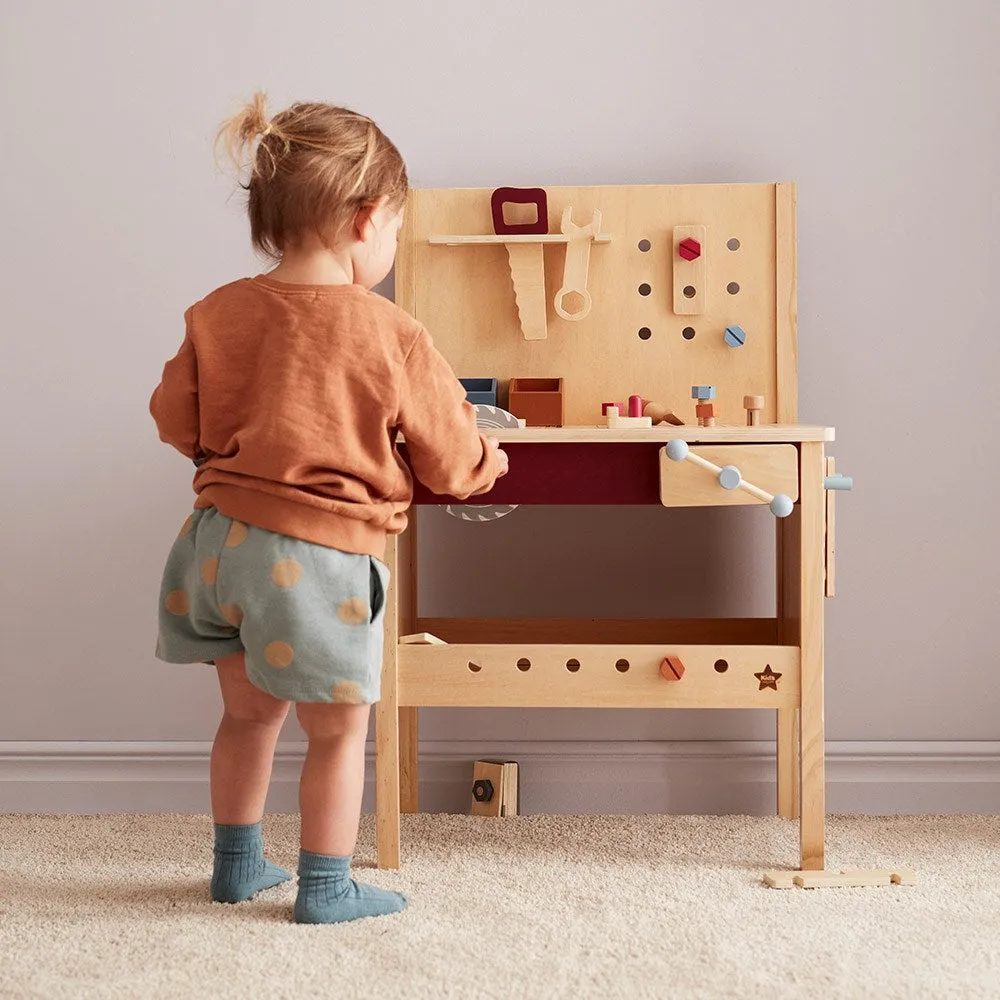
(367, 216)
(363, 222)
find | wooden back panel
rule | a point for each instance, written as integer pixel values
(464, 295)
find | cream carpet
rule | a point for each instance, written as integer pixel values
(532, 907)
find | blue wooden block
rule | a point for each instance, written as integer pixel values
(735, 336)
(703, 392)
(480, 390)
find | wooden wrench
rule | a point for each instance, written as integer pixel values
(577, 264)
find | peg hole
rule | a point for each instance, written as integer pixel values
(690, 291)
(645, 333)
(474, 667)
(733, 288)
(645, 289)
(621, 666)
(523, 664)
(733, 244)
(644, 245)
(721, 666)
(688, 333)
(572, 666)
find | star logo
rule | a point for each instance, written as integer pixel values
(768, 679)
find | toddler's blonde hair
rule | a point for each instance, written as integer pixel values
(311, 168)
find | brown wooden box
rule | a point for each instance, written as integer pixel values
(538, 401)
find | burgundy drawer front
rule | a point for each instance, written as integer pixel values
(553, 473)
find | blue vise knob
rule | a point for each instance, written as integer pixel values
(838, 482)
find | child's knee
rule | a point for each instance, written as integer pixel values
(245, 701)
(322, 720)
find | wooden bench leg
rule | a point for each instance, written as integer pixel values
(387, 782)
(788, 763)
(387, 726)
(408, 745)
(812, 750)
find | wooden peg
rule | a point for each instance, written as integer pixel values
(753, 405)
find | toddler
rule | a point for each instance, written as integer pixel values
(288, 392)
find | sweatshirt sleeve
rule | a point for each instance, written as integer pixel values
(447, 452)
(174, 404)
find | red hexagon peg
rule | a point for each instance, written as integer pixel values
(689, 249)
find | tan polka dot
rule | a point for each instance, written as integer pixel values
(237, 535)
(177, 602)
(286, 572)
(233, 614)
(279, 654)
(186, 526)
(210, 570)
(353, 611)
(347, 693)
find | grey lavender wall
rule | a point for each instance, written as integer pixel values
(114, 220)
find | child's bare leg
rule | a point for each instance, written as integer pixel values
(243, 751)
(330, 791)
(242, 756)
(333, 776)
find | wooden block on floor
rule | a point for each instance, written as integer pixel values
(495, 790)
(859, 878)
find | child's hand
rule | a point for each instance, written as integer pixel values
(501, 456)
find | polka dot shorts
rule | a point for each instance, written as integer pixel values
(308, 617)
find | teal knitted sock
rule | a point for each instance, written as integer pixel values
(328, 894)
(240, 868)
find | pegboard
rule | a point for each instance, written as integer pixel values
(632, 341)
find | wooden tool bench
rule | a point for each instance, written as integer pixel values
(655, 325)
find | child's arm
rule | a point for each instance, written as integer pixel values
(174, 405)
(448, 453)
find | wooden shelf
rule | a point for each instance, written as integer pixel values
(458, 241)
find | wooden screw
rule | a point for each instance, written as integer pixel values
(671, 668)
(706, 414)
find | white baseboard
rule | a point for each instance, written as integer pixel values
(556, 777)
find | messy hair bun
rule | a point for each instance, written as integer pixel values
(310, 168)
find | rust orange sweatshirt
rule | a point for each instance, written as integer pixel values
(294, 395)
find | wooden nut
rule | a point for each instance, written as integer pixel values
(704, 410)
(689, 249)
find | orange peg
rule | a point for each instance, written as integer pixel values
(671, 668)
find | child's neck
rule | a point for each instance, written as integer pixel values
(314, 267)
